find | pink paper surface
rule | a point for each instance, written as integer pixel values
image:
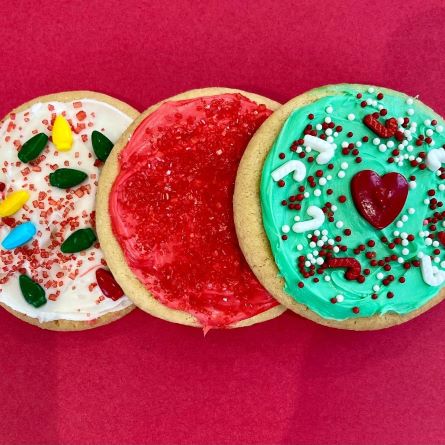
(288, 381)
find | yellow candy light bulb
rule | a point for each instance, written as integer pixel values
(62, 135)
(13, 203)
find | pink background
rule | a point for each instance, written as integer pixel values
(142, 380)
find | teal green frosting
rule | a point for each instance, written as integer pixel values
(413, 292)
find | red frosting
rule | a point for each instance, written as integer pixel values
(171, 208)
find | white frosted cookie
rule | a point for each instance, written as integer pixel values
(52, 271)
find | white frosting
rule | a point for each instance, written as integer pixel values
(295, 166)
(311, 224)
(79, 298)
(325, 148)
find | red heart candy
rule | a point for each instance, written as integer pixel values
(379, 199)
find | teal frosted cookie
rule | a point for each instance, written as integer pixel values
(350, 220)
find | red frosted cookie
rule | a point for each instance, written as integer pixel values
(165, 216)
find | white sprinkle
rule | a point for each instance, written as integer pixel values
(442, 264)
(334, 208)
(376, 288)
(339, 224)
(399, 224)
(376, 141)
(396, 233)
(341, 174)
(405, 242)
(320, 243)
(329, 177)
(412, 184)
(318, 127)
(317, 192)
(328, 120)
(441, 186)
(299, 149)
(351, 116)
(400, 120)
(327, 278)
(371, 90)
(317, 233)
(426, 201)
(336, 249)
(404, 235)
(429, 132)
(320, 261)
(306, 194)
(380, 276)
(307, 263)
(312, 245)
(344, 144)
(427, 122)
(340, 298)
(328, 131)
(435, 243)
(322, 181)
(308, 149)
(358, 144)
(324, 232)
(420, 255)
(329, 139)
(409, 101)
(331, 242)
(428, 241)
(344, 165)
(285, 228)
(439, 128)
(411, 211)
(410, 148)
(297, 218)
(405, 251)
(404, 218)
(410, 111)
(382, 148)
(400, 260)
(329, 109)
(299, 246)
(390, 144)
(436, 259)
